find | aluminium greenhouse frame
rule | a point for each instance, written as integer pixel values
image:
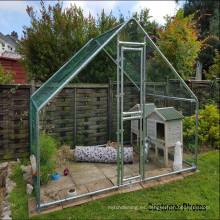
(38, 102)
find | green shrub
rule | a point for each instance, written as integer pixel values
(208, 127)
(6, 78)
(48, 149)
(189, 129)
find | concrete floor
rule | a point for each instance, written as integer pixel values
(87, 177)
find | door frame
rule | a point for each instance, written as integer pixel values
(123, 116)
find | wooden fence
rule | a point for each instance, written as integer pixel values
(82, 114)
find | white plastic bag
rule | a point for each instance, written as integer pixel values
(178, 158)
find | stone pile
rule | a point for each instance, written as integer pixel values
(28, 172)
(5, 181)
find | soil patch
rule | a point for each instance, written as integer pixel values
(205, 149)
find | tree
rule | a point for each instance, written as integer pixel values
(54, 38)
(6, 77)
(179, 43)
(101, 68)
(58, 33)
(207, 15)
(214, 70)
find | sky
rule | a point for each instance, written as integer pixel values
(13, 15)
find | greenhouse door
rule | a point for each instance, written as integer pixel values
(132, 70)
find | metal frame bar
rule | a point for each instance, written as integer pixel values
(122, 109)
(132, 43)
(118, 113)
(141, 119)
(38, 163)
(196, 137)
(131, 113)
(132, 118)
(131, 178)
(144, 101)
(133, 48)
(75, 116)
(170, 97)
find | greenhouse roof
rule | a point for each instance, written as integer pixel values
(70, 69)
(80, 60)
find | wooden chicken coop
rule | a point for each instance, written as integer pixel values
(164, 127)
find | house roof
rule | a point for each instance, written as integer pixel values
(168, 113)
(2, 37)
(8, 39)
(149, 107)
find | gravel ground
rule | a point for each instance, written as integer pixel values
(2, 196)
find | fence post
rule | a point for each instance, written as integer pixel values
(109, 106)
(33, 86)
(167, 90)
(75, 116)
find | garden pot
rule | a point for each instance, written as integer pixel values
(71, 193)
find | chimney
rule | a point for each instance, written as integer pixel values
(14, 35)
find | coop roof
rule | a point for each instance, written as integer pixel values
(149, 107)
(168, 114)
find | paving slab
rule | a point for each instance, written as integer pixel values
(101, 185)
(131, 169)
(81, 167)
(79, 190)
(46, 196)
(128, 171)
(150, 166)
(81, 178)
(109, 171)
(32, 208)
(55, 185)
(114, 180)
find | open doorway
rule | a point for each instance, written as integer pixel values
(160, 131)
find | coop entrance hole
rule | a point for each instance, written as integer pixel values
(160, 131)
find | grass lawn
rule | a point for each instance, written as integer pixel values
(200, 189)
